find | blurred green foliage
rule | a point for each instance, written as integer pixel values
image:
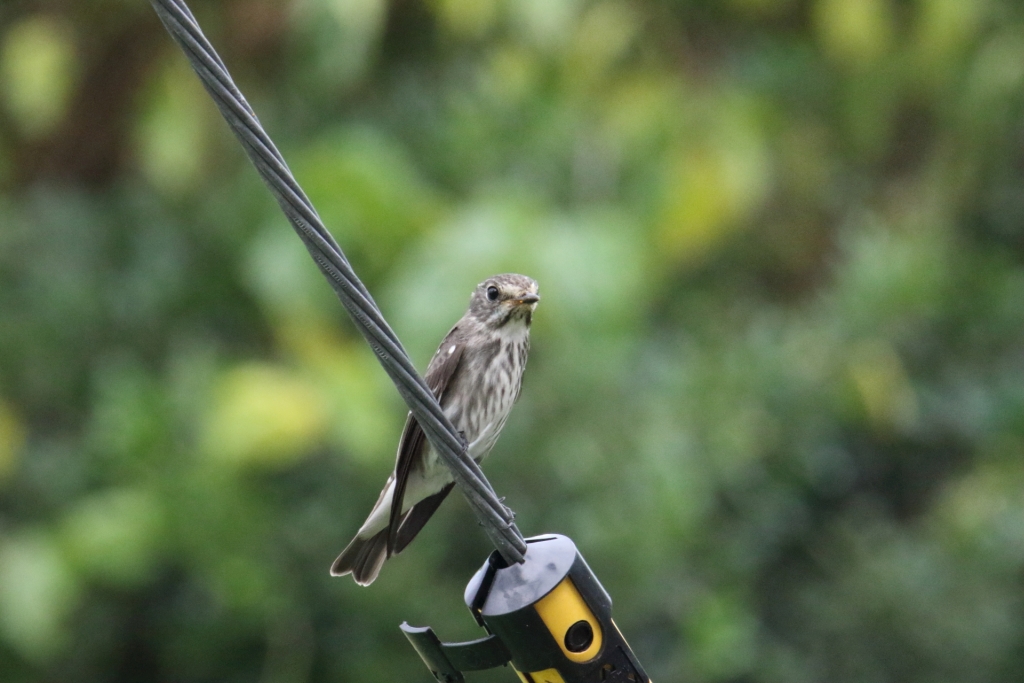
(776, 394)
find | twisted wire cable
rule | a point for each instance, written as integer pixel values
(496, 519)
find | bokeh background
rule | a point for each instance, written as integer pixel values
(776, 393)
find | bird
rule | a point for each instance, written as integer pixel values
(476, 375)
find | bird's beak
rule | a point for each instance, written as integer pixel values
(526, 299)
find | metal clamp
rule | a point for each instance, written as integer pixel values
(549, 617)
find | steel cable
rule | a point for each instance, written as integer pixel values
(497, 520)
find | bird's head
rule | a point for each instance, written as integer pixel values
(502, 299)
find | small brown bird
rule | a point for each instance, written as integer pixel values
(476, 375)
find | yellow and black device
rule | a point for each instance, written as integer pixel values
(549, 617)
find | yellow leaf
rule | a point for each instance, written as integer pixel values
(38, 73)
(264, 415)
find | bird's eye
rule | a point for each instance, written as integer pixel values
(492, 293)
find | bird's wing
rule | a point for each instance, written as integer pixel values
(417, 516)
(440, 371)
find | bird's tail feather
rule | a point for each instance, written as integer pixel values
(362, 558)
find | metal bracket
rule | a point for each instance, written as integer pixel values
(447, 661)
